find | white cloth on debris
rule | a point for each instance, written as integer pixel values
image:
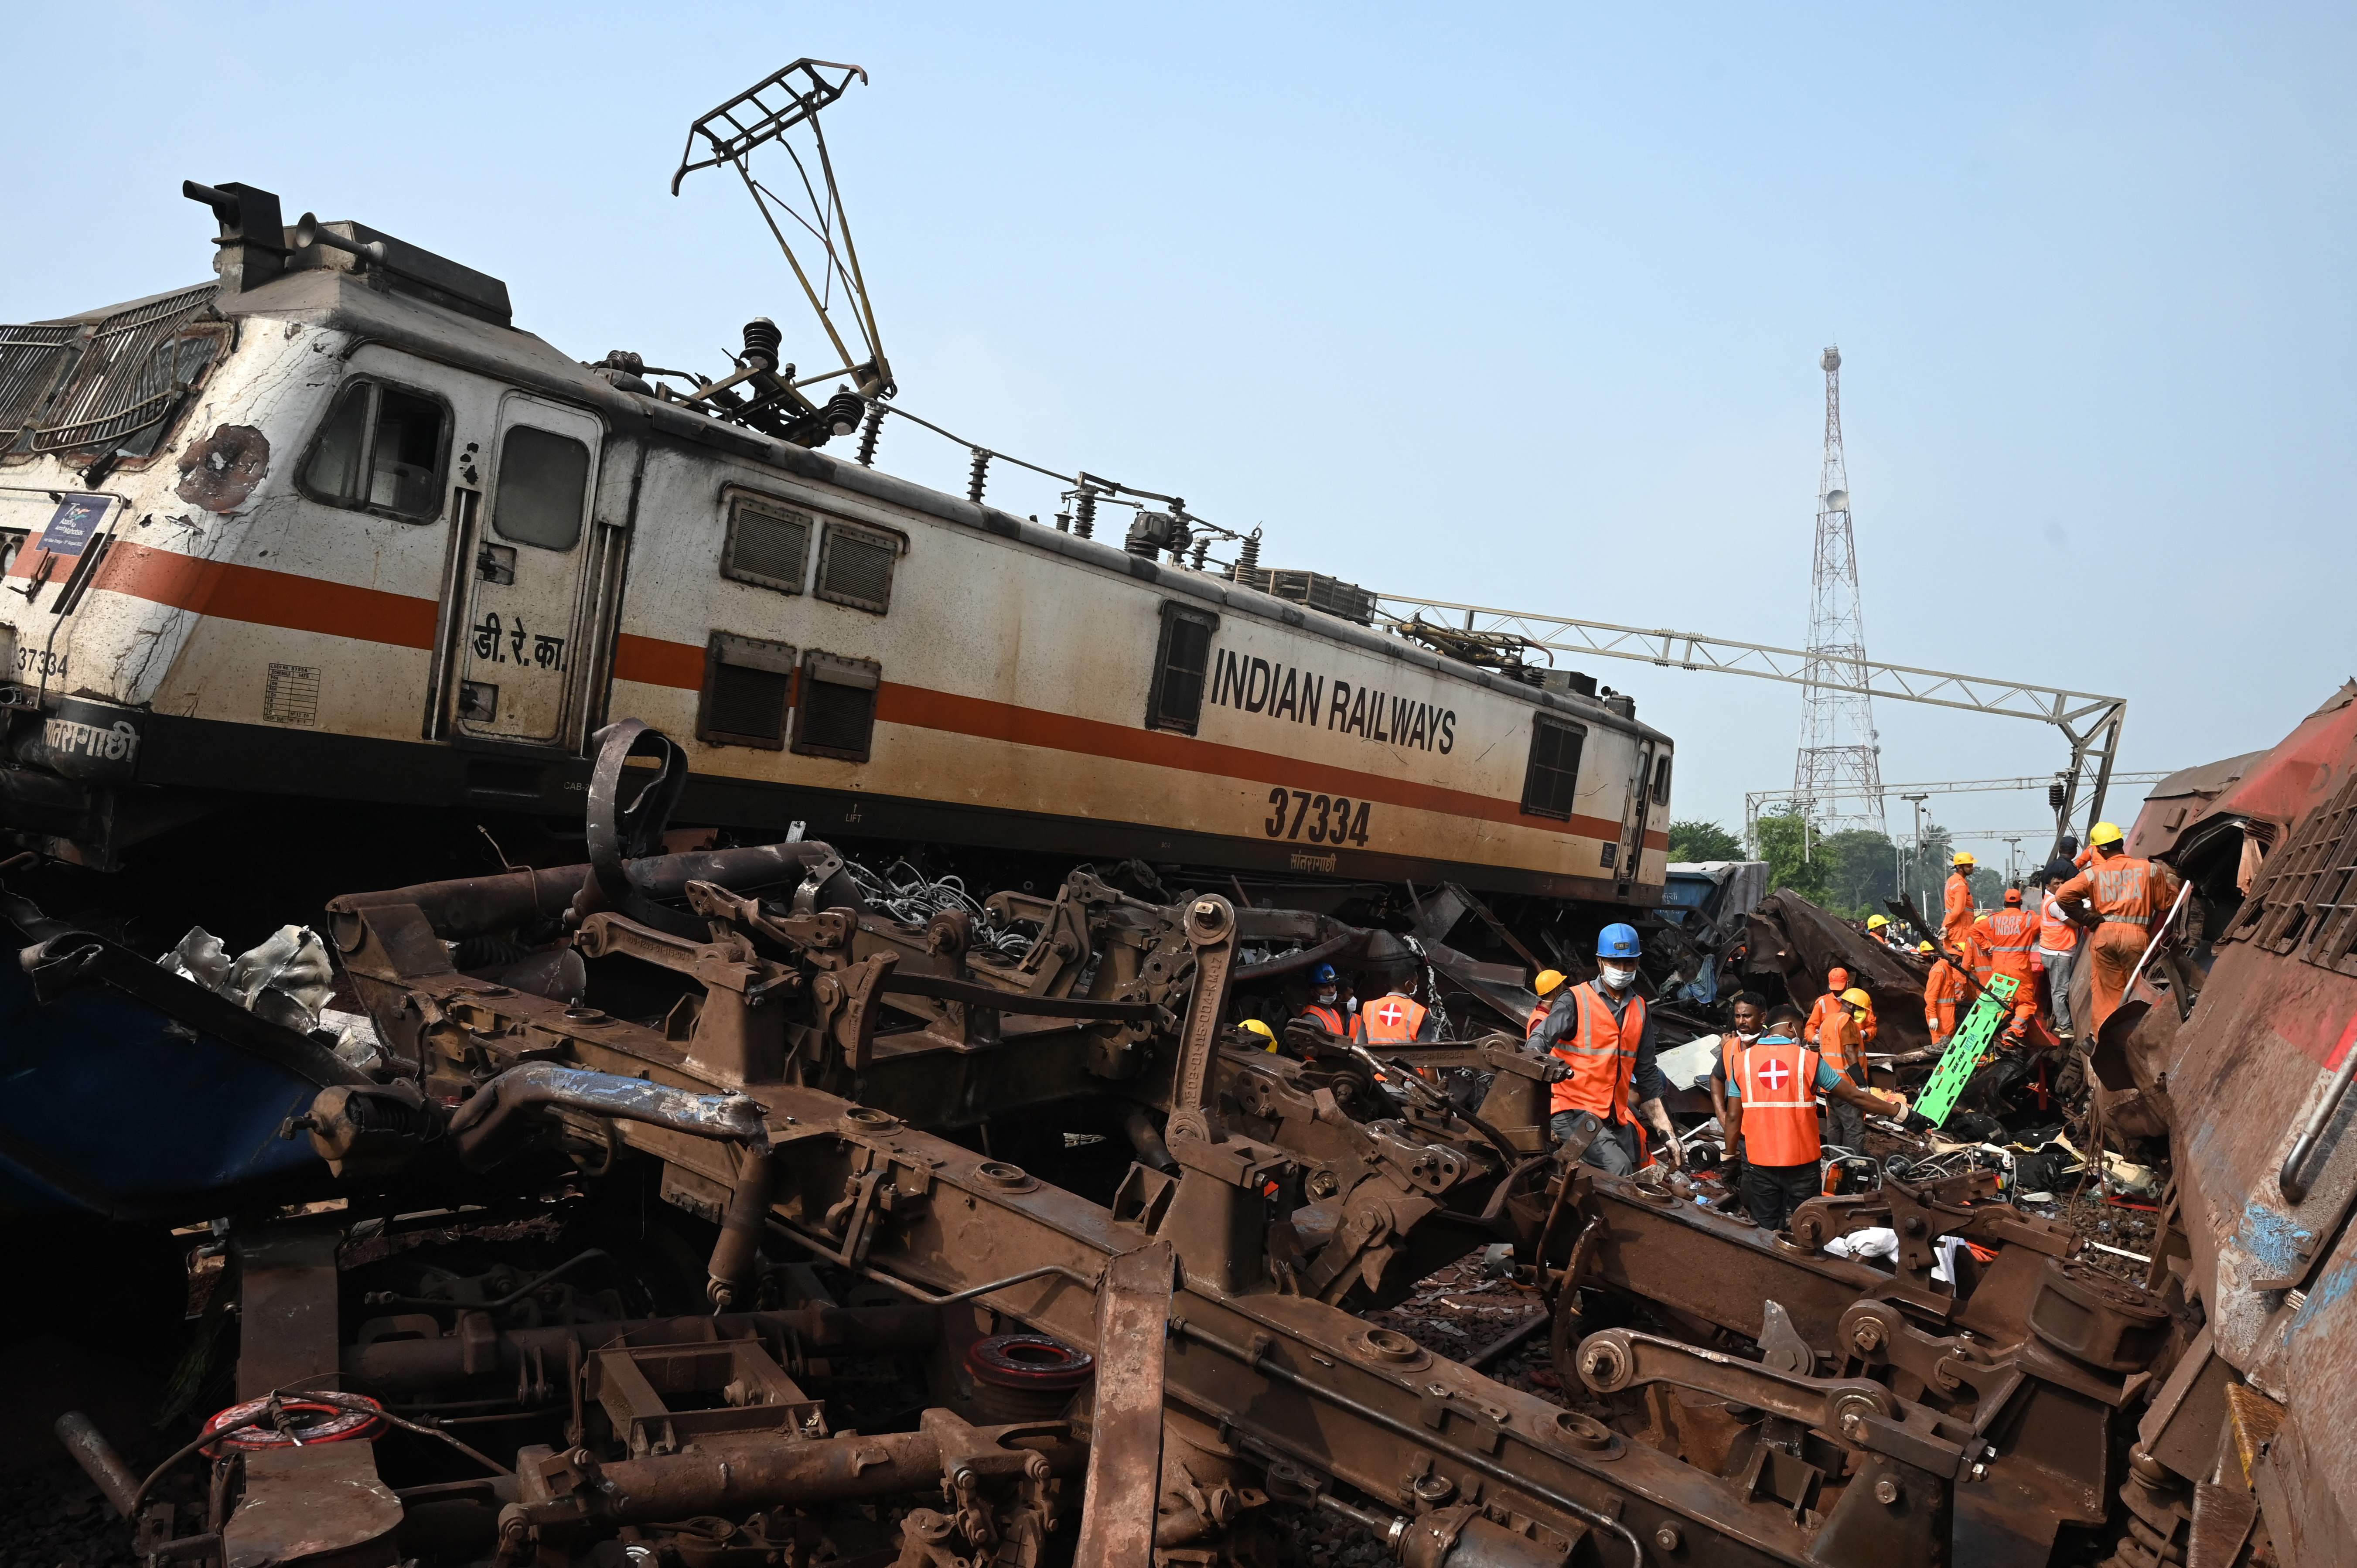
(1882, 1242)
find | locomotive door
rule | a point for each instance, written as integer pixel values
(1633, 813)
(524, 585)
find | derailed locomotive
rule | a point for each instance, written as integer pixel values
(333, 528)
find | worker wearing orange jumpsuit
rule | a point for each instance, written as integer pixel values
(1979, 951)
(1943, 995)
(2130, 897)
(1829, 1006)
(1956, 925)
(2006, 936)
(1842, 1044)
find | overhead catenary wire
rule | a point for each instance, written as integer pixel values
(1091, 489)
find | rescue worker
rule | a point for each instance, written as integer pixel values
(1825, 1007)
(1772, 1101)
(1256, 1027)
(1979, 956)
(1943, 995)
(1837, 981)
(1397, 1016)
(1602, 1030)
(1747, 1016)
(1549, 982)
(2129, 896)
(1956, 924)
(2058, 950)
(2008, 937)
(1327, 1009)
(1842, 1044)
(1878, 927)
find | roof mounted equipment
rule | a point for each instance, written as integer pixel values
(781, 102)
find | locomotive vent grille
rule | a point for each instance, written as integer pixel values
(837, 713)
(748, 685)
(769, 544)
(855, 566)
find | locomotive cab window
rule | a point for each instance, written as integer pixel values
(381, 450)
(836, 714)
(749, 683)
(1552, 782)
(768, 544)
(544, 479)
(1662, 781)
(855, 565)
(1181, 664)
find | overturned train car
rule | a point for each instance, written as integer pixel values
(2236, 1047)
(333, 526)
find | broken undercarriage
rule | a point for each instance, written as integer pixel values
(693, 1229)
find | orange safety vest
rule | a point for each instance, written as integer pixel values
(1841, 1044)
(2012, 932)
(1976, 949)
(1393, 1019)
(1333, 1020)
(1943, 993)
(1779, 1079)
(1824, 1009)
(2057, 932)
(1603, 1057)
(1538, 1017)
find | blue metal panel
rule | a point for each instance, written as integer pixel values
(109, 1106)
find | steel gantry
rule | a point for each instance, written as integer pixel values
(1756, 802)
(2088, 722)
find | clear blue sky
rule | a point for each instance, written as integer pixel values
(1519, 305)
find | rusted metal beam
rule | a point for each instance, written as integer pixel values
(1124, 1476)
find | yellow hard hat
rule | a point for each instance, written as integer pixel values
(1923, 947)
(1264, 1031)
(1875, 922)
(1963, 857)
(1857, 998)
(1547, 983)
(2105, 832)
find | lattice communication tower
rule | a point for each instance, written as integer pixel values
(1837, 775)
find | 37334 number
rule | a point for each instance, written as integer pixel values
(1327, 819)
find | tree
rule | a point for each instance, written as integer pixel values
(1862, 868)
(1792, 862)
(1704, 841)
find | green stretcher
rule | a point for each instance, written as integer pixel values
(1974, 1045)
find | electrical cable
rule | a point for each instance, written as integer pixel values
(273, 1408)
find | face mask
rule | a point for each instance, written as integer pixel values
(1325, 994)
(1620, 976)
(1750, 1033)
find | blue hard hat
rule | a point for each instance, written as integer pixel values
(1323, 975)
(1618, 941)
